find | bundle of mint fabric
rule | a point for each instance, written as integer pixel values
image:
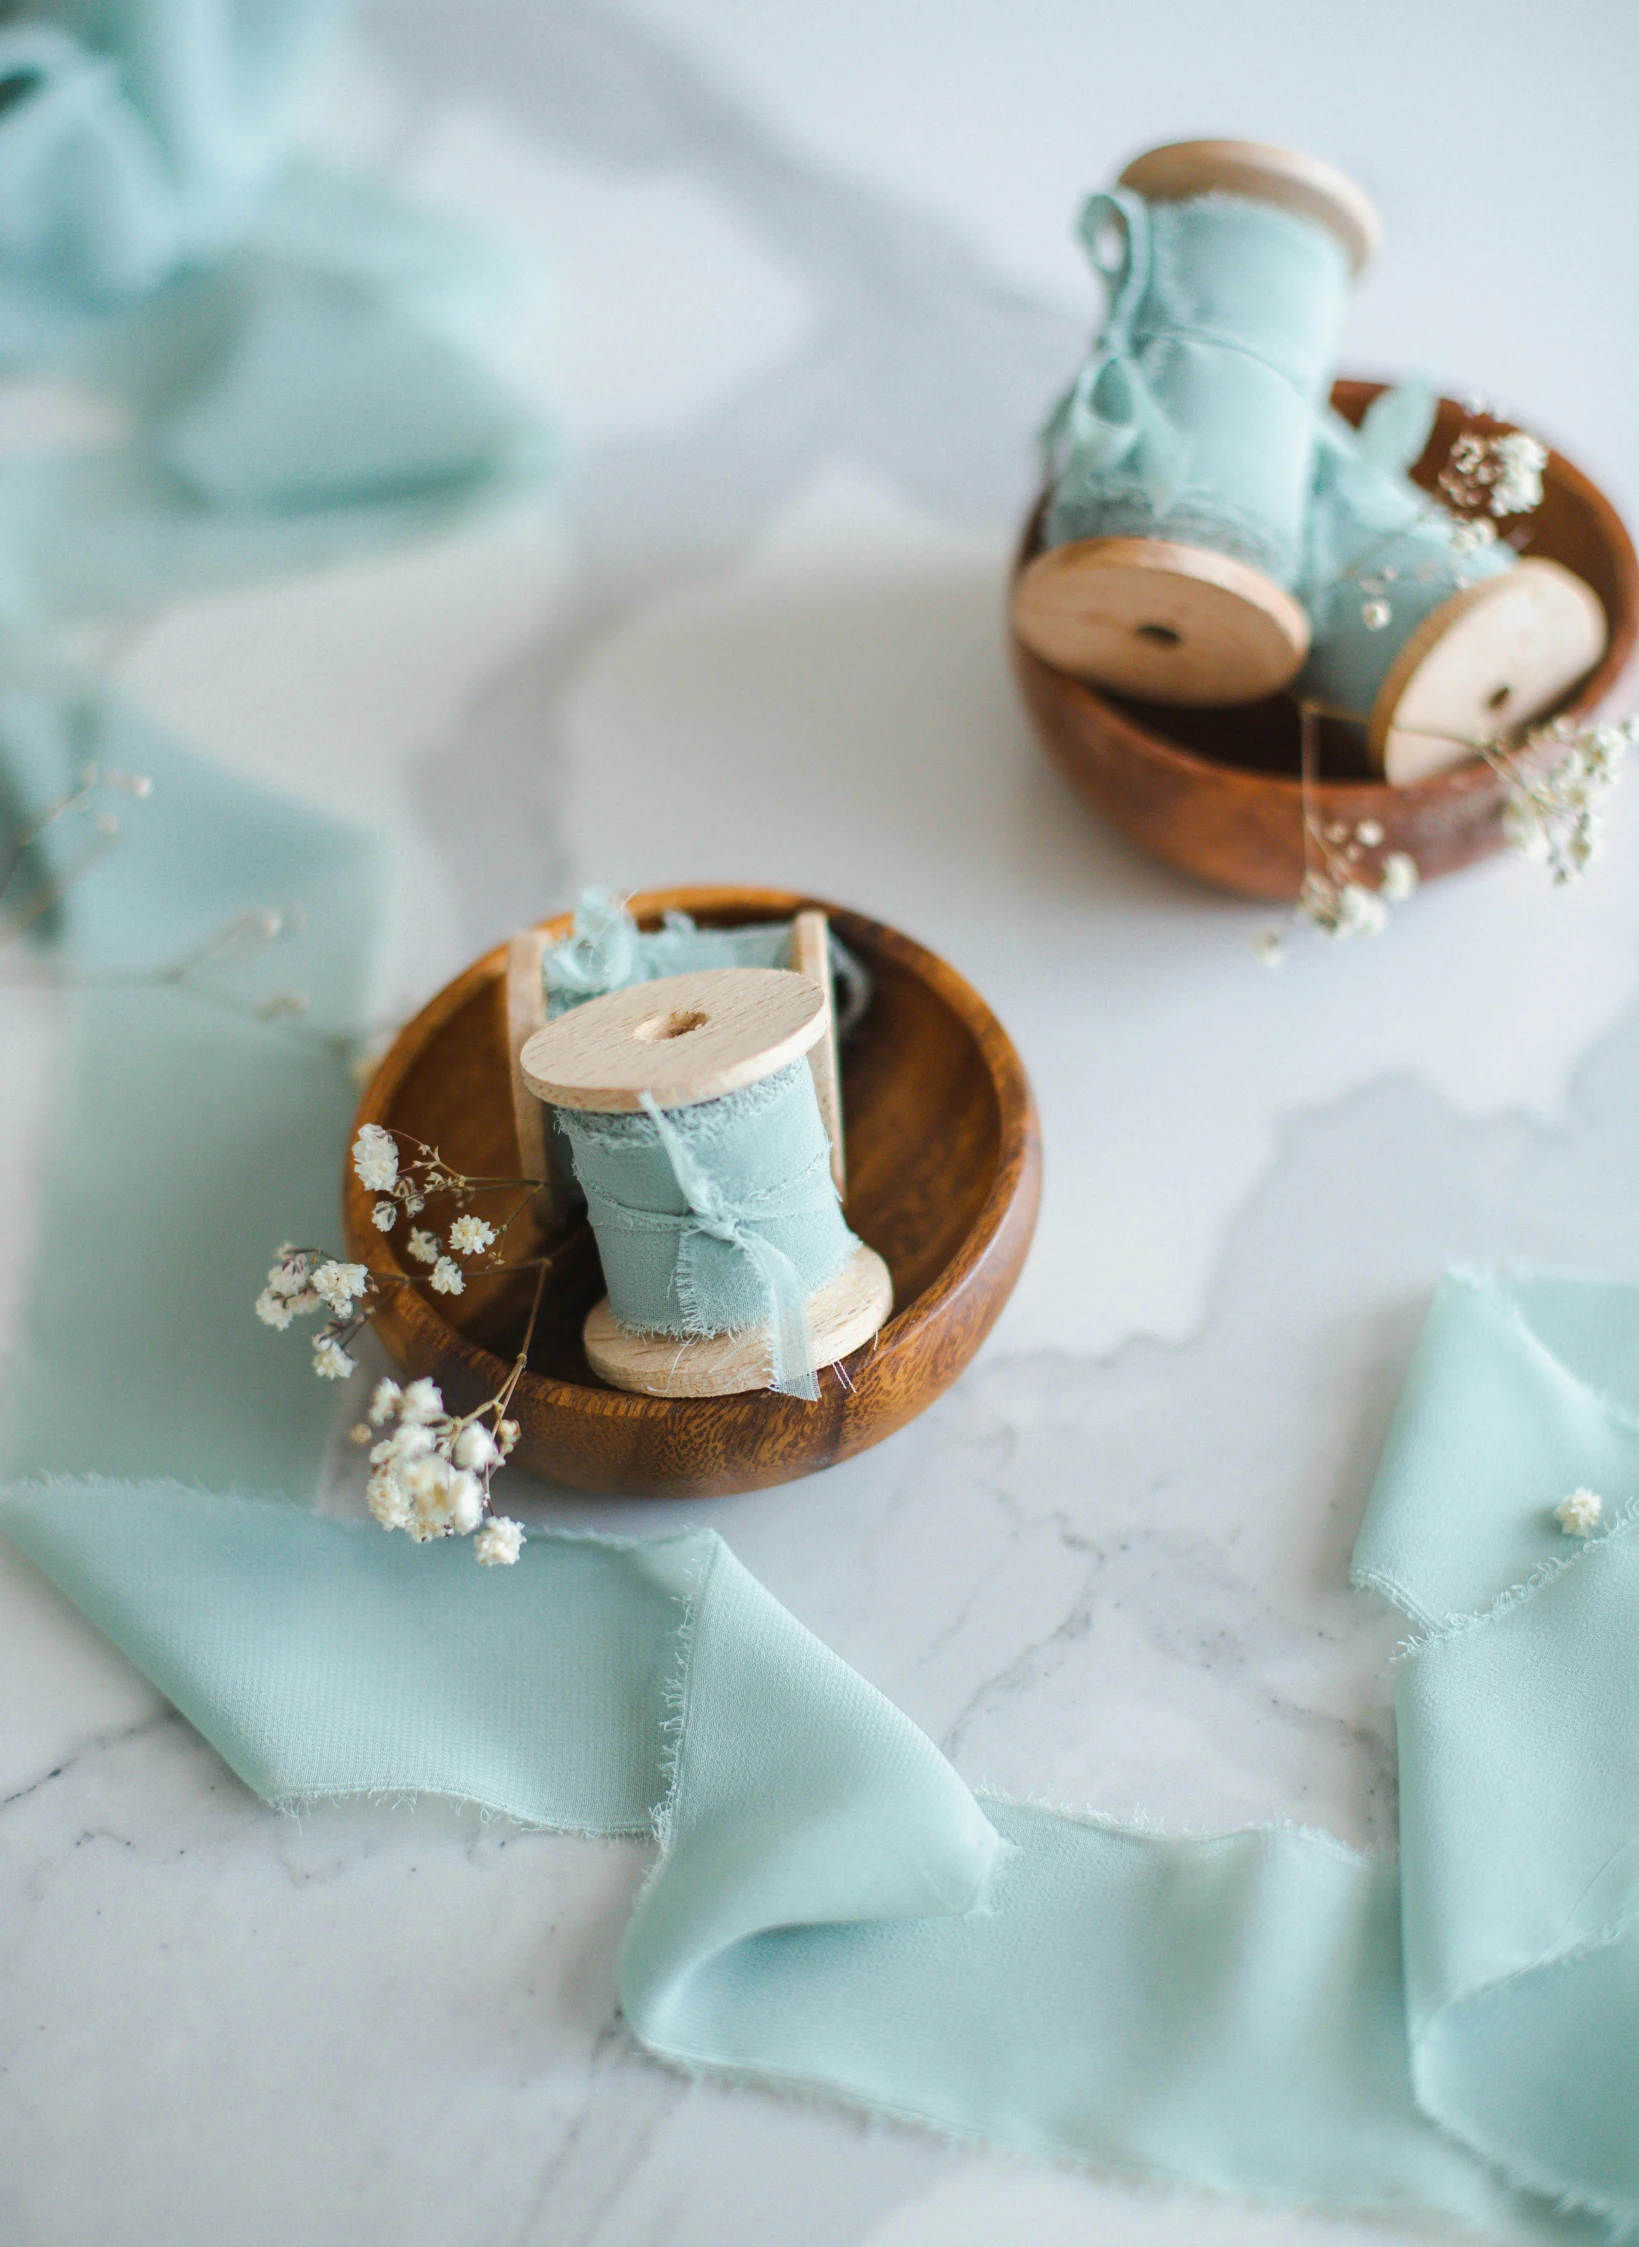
(1262, 2012)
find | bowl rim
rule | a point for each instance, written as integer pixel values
(1473, 778)
(1017, 1167)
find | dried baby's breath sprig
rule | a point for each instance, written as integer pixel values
(1580, 1514)
(1494, 475)
(89, 798)
(1339, 898)
(431, 1470)
(1559, 781)
(1484, 478)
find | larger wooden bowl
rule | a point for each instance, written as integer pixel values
(1217, 793)
(944, 1175)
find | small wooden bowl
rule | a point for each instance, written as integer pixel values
(944, 1175)
(1217, 793)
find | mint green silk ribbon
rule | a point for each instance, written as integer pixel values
(1193, 418)
(287, 353)
(1375, 543)
(607, 951)
(1262, 2012)
(717, 1218)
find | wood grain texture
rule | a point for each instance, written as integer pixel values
(842, 1317)
(525, 1014)
(682, 1039)
(1216, 793)
(1142, 616)
(944, 1180)
(1498, 654)
(811, 956)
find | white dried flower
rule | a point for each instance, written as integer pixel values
(1398, 877)
(384, 1216)
(1361, 911)
(1554, 811)
(1501, 473)
(422, 1401)
(274, 1310)
(506, 1435)
(1341, 908)
(388, 1499)
(413, 1201)
(475, 1447)
(337, 1285)
(447, 1277)
(375, 1159)
(330, 1360)
(1517, 485)
(499, 1542)
(288, 1275)
(466, 1502)
(424, 1246)
(384, 1401)
(1268, 947)
(470, 1236)
(1468, 537)
(1579, 1514)
(1369, 832)
(407, 1441)
(1375, 614)
(444, 1500)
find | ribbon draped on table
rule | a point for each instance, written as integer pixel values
(284, 361)
(1263, 2012)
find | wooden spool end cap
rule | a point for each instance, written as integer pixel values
(1286, 177)
(682, 1039)
(1163, 623)
(1496, 656)
(811, 956)
(842, 1317)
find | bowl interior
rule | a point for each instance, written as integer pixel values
(920, 1111)
(1575, 525)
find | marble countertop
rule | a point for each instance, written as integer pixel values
(797, 285)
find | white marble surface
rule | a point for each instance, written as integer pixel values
(798, 288)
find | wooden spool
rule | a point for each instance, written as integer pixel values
(1493, 658)
(1216, 793)
(1150, 618)
(685, 1040)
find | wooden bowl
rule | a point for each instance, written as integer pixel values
(1217, 793)
(944, 1175)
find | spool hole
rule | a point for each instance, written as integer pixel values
(1159, 635)
(677, 1024)
(1497, 697)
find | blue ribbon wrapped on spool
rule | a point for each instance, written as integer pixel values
(1424, 634)
(696, 1135)
(1180, 461)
